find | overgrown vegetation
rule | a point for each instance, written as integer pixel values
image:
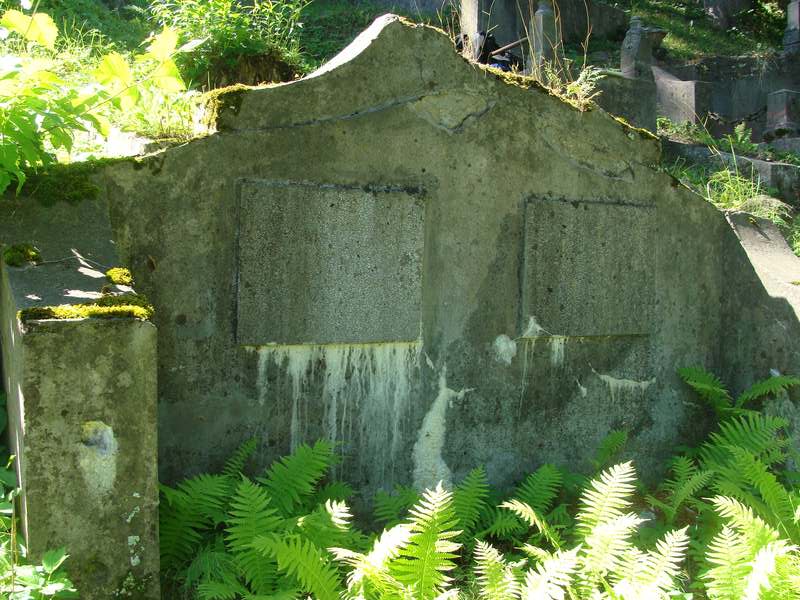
(41, 111)
(758, 31)
(723, 181)
(233, 32)
(724, 525)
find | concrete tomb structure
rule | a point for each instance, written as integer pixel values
(434, 264)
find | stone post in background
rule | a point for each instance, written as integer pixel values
(791, 37)
(637, 53)
(470, 19)
(547, 47)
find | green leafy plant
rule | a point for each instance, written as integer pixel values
(232, 31)
(40, 112)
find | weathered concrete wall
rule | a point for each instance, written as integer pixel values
(563, 279)
(82, 406)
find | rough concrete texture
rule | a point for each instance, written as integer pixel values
(341, 242)
(82, 407)
(500, 375)
(632, 99)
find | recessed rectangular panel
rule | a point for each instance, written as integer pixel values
(588, 268)
(327, 264)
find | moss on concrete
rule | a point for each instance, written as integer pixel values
(132, 306)
(18, 255)
(226, 99)
(119, 276)
(71, 183)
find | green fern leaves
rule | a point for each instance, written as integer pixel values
(424, 562)
(291, 480)
(290, 533)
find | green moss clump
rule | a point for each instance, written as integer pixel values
(132, 306)
(643, 133)
(225, 99)
(119, 276)
(19, 255)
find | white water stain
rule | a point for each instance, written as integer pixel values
(429, 466)
(363, 386)
(505, 349)
(534, 329)
(557, 343)
(622, 387)
(528, 346)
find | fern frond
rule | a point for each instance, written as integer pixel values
(610, 447)
(234, 466)
(653, 574)
(197, 504)
(754, 531)
(760, 435)
(428, 556)
(335, 490)
(327, 525)
(606, 544)
(469, 501)
(535, 553)
(767, 387)
(708, 387)
(551, 579)
(728, 554)
(503, 525)
(776, 498)
(373, 568)
(687, 481)
(529, 515)
(211, 563)
(301, 559)
(250, 516)
(763, 567)
(291, 479)
(496, 580)
(606, 497)
(390, 509)
(221, 590)
(540, 488)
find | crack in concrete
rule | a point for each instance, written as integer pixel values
(388, 105)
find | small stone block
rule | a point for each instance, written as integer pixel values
(327, 264)
(783, 114)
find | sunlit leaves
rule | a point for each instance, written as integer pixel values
(163, 45)
(38, 28)
(115, 73)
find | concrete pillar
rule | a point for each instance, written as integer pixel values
(783, 114)
(547, 45)
(470, 23)
(637, 53)
(82, 403)
(791, 37)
